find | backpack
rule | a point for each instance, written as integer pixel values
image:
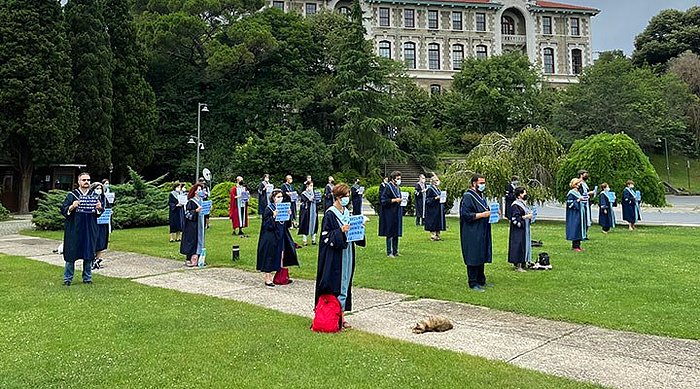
(543, 259)
(328, 315)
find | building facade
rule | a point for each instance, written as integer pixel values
(432, 37)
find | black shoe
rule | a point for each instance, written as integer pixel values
(66, 283)
(477, 288)
(270, 285)
(87, 282)
(487, 285)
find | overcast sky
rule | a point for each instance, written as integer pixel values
(620, 21)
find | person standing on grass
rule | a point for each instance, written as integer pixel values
(519, 239)
(434, 210)
(356, 197)
(80, 209)
(308, 214)
(630, 205)
(263, 193)
(194, 229)
(575, 217)
(510, 196)
(102, 240)
(606, 214)
(586, 202)
(204, 196)
(475, 232)
(328, 194)
(287, 189)
(275, 246)
(176, 214)
(238, 207)
(419, 194)
(390, 216)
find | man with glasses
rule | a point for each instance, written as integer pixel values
(81, 209)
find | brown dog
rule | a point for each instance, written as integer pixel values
(433, 324)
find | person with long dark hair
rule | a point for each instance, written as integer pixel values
(193, 232)
(519, 239)
(276, 249)
(176, 214)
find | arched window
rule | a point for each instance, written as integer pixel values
(481, 51)
(507, 25)
(409, 54)
(344, 10)
(548, 57)
(434, 56)
(576, 61)
(457, 56)
(385, 49)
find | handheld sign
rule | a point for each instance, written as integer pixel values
(206, 207)
(105, 217)
(612, 196)
(245, 196)
(404, 199)
(443, 196)
(110, 197)
(268, 189)
(294, 196)
(361, 190)
(283, 212)
(494, 218)
(534, 215)
(638, 195)
(182, 199)
(357, 228)
(595, 191)
(317, 196)
(87, 204)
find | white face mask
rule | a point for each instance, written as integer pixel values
(398, 182)
(344, 201)
(278, 200)
(98, 191)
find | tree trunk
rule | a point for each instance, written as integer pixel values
(25, 188)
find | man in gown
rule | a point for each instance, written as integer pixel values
(475, 232)
(419, 195)
(356, 198)
(287, 189)
(390, 217)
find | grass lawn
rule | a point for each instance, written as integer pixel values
(679, 171)
(644, 281)
(117, 333)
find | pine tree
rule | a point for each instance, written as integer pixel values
(37, 118)
(92, 85)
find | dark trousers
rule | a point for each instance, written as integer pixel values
(576, 244)
(476, 275)
(419, 220)
(392, 245)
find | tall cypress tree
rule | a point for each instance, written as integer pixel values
(92, 85)
(134, 114)
(37, 118)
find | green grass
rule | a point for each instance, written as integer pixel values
(679, 171)
(644, 281)
(117, 333)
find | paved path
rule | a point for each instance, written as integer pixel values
(612, 358)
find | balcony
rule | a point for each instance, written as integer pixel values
(517, 40)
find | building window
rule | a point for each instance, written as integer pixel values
(409, 54)
(547, 25)
(385, 49)
(576, 61)
(344, 11)
(549, 60)
(278, 4)
(480, 21)
(457, 57)
(482, 51)
(310, 8)
(456, 20)
(409, 18)
(434, 56)
(432, 19)
(507, 26)
(435, 89)
(384, 17)
(575, 28)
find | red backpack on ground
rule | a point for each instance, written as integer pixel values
(328, 315)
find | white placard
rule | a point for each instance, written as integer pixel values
(404, 199)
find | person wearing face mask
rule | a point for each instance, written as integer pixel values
(510, 196)
(238, 208)
(308, 214)
(519, 240)
(587, 193)
(419, 196)
(606, 204)
(275, 246)
(630, 206)
(336, 256)
(434, 210)
(390, 215)
(575, 217)
(475, 232)
(287, 189)
(328, 194)
(356, 197)
(176, 214)
(193, 232)
(102, 240)
(263, 193)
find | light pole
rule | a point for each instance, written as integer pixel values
(201, 107)
(668, 166)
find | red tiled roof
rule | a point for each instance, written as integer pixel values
(551, 4)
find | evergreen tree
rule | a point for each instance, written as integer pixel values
(37, 118)
(92, 85)
(134, 114)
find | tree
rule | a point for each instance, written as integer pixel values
(668, 34)
(687, 68)
(134, 114)
(92, 85)
(37, 118)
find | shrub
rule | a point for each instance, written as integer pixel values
(611, 158)
(4, 213)
(372, 195)
(220, 196)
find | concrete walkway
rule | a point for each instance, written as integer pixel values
(612, 358)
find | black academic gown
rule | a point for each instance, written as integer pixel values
(390, 216)
(176, 214)
(306, 209)
(475, 234)
(328, 197)
(103, 229)
(262, 197)
(356, 200)
(287, 198)
(519, 241)
(630, 212)
(419, 196)
(79, 231)
(510, 197)
(434, 211)
(330, 259)
(606, 212)
(190, 231)
(274, 239)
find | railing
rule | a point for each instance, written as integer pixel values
(515, 39)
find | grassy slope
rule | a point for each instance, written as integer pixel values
(643, 281)
(679, 172)
(117, 333)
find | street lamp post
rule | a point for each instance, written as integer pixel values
(668, 166)
(201, 107)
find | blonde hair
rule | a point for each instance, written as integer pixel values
(575, 182)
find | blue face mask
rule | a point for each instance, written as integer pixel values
(481, 187)
(344, 201)
(200, 192)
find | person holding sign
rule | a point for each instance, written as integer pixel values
(575, 216)
(238, 207)
(176, 215)
(328, 194)
(519, 239)
(510, 195)
(630, 205)
(434, 210)
(390, 215)
(264, 192)
(102, 242)
(192, 242)
(356, 193)
(308, 214)
(419, 194)
(275, 246)
(80, 209)
(606, 203)
(586, 193)
(287, 189)
(336, 254)
(475, 232)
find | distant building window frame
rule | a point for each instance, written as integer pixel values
(409, 55)
(385, 49)
(547, 25)
(344, 10)
(457, 56)
(482, 51)
(409, 18)
(480, 22)
(433, 19)
(384, 17)
(457, 20)
(548, 60)
(278, 4)
(434, 56)
(576, 61)
(435, 89)
(310, 9)
(507, 25)
(575, 26)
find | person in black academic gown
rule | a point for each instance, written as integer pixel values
(630, 206)
(390, 216)
(80, 209)
(575, 216)
(328, 193)
(102, 242)
(519, 239)
(194, 226)
(287, 189)
(356, 198)
(606, 204)
(308, 214)
(176, 214)
(475, 232)
(262, 194)
(275, 246)
(336, 256)
(419, 195)
(434, 210)
(510, 197)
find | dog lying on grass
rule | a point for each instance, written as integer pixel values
(433, 324)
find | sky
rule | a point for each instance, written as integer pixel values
(620, 21)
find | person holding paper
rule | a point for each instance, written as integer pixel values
(419, 194)
(434, 210)
(519, 239)
(238, 207)
(102, 242)
(263, 193)
(390, 216)
(176, 214)
(80, 210)
(630, 206)
(308, 214)
(194, 228)
(575, 216)
(275, 246)
(336, 256)
(328, 194)
(607, 204)
(205, 196)
(287, 189)
(510, 196)
(475, 232)
(587, 194)
(356, 194)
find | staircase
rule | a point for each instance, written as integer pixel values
(409, 171)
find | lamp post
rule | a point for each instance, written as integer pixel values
(201, 107)
(111, 169)
(668, 166)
